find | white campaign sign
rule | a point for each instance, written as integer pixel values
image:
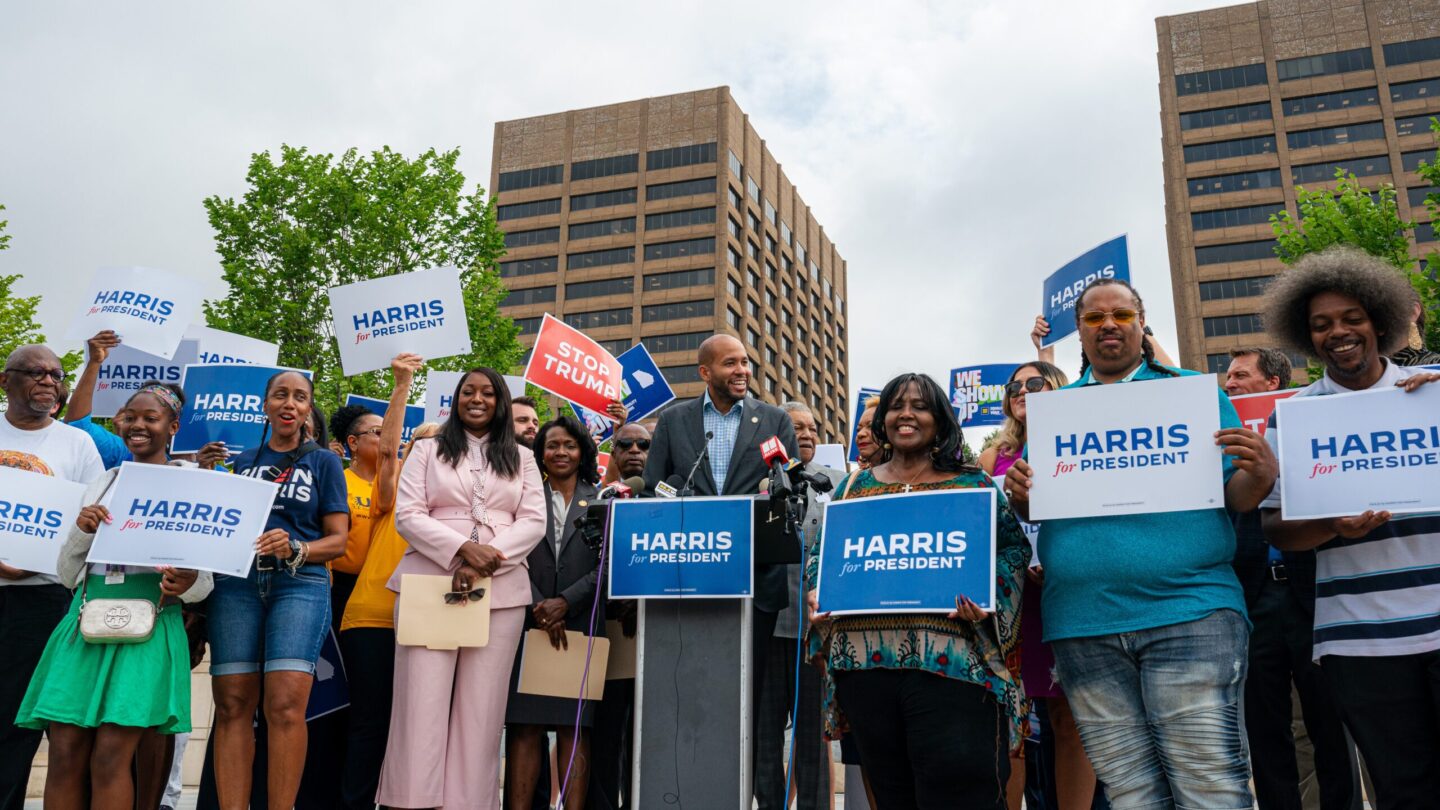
(830, 455)
(1125, 448)
(1346, 454)
(126, 369)
(36, 514)
(217, 346)
(183, 516)
(421, 312)
(147, 308)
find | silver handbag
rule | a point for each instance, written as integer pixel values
(116, 621)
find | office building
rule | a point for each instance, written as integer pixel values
(664, 221)
(1260, 98)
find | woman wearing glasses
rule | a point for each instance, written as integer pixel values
(564, 577)
(1074, 778)
(472, 506)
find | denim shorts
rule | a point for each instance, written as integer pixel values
(270, 621)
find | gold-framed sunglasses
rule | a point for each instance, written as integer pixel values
(1121, 317)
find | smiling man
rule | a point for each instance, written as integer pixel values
(1377, 606)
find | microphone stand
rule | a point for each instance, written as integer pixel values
(687, 490)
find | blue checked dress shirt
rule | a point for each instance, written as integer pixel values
(723, 428)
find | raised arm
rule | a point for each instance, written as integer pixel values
(387, 472)
(82, 397)
(1045, 354)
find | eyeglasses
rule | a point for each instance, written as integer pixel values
(375, 431)
(461, 597)
(37, 374)
(1031, 385)
(626, 444)
(1122, 317)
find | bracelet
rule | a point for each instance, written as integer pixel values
(298, 559)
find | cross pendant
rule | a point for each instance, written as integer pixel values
(907, 487)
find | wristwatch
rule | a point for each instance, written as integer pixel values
(1149, 331)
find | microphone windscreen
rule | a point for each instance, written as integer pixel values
(764, 485)
(635, 482)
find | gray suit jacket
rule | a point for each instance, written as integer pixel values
(788, 624)
(574, 574)
(679, 439)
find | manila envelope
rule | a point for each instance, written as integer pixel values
(622, 653)
(545, 670)
(426, 621)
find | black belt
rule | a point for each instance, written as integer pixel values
(1277, 572)
(268, 562)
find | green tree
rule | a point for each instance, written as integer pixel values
(18, 326)
(313, 221)
(1427, 281)
(1349, 215)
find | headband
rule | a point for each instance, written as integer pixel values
(165, 395)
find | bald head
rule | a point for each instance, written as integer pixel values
(725, 368)
(717, 346)
(32, 381)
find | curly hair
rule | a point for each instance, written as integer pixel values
(345, 418)
(949, 439)
(1380, 289)
(588, 469)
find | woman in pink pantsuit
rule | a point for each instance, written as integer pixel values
(471, 506)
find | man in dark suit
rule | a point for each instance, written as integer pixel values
(736, 424)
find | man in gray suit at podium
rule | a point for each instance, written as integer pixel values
(727, 426)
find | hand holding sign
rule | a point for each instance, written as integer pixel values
(1062, 289)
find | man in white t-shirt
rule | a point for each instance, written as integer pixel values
(32, 604)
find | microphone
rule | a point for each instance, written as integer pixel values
(686, 489)
(622, 489)
(772, 452)
(797, 473)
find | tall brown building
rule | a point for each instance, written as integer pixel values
(1260, 98)
(664, 221)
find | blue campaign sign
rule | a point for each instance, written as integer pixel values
(679, 548)
(1063, 287)
(224, 402)
(977, 393)
(414, 414)
(908, 553)
(331, 690)
(860, 399)
(643, 390)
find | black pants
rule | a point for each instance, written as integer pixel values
(369, 654)
(811, 760)
(610, 746)
(1280, 649)
(929, 742)
(28, 615)
(1391, 704)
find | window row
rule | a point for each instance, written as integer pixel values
(1326, 64)
(1205, 81)
(683, 342)
(1324, 102)
(1425, 232)
(533, 295)
(600, 318)
(1419, 50)
(605, 227)
(1235, 252)
(1240, 147)
(1232, 288)
(1408, 91)
(680, 156)
(1360, 167)
(1413, 125)
(615, 347)
(685, 247)
(604, 167)
(1233, 217)
(680, 278)
(680, 219)
(595, 289)
(676, 375)
(681, 188)
(530, 178)
(600, 258)
(1224, 116)
(1350, 133)
(1418, 194)
(1225, 183)
(529, 267)
(1411, 160)
(1227, 325)
(602, 199)
(541, 236)
(672, 312)
(538, 208)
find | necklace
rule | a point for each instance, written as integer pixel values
(913, 479)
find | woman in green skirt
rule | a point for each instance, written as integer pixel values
(97, 700)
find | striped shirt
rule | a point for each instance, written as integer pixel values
(723, 429)
(1380, 594)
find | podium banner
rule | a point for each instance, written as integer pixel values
(36, 514)
(663, 548)
(908, 553)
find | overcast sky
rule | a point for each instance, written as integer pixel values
(957, 152)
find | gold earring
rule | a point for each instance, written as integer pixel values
(1417, 341)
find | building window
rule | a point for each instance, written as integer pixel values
(769, 327)
(1425, 232)
(1325, 64)
(734, 227)
(1413, 125)
(752, 188)
(752, 308)
(1233, 217)
(538, 208)
(733, 318)
(532, 295)
(680, 156)
(593, 289)
(732, 286)
(529, 326)
(673, 312)
(1409, 91)
(735, 200)
(1411, 160)
(1234, 288)
(814, 276)
(1351, 133)
(770, 213)
(1217, 363)
(753, 250)
(676, 375)
(769, 384)
(1228, 325)
(602, 199)
(771, 245)
(800, 254)
(675, 250)
(754, 221)
(680, 219)
(1240, 147)
(784, 316)
(600, 258)
(734, 256)
(1235, 252)
(1360, 167)
(785, 372)
(1417, 195)
(1348, 99)
(769, 299)
(683, 342)
(529, 267)
(1188, 84)
(604, 167)
(786, 291)
(785, 235)
(754, 278)
(605, 227)
(735, 167)
(681, 278)
(1224, 116)
(683, 188)
(753, 337)
(600, 318)
(615, 347)
(540, 236)
(1225, 183)
(530, 178)
(1419, 50)
(787, 264)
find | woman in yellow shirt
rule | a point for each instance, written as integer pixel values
(367, 626)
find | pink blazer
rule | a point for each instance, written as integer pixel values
(432, 512)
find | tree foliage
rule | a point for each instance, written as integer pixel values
(1349, 215)
(1427, 281)
(312, 221)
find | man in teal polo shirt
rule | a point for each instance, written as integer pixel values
(1144, 612)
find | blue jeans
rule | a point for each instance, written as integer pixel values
(271, 621)
(1159, 712)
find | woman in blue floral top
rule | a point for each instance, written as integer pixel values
(934, 701)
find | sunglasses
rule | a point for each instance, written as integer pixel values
(461, 597)
(1122, 317)
(1032, 385)
(38, 374)
(626, 444)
